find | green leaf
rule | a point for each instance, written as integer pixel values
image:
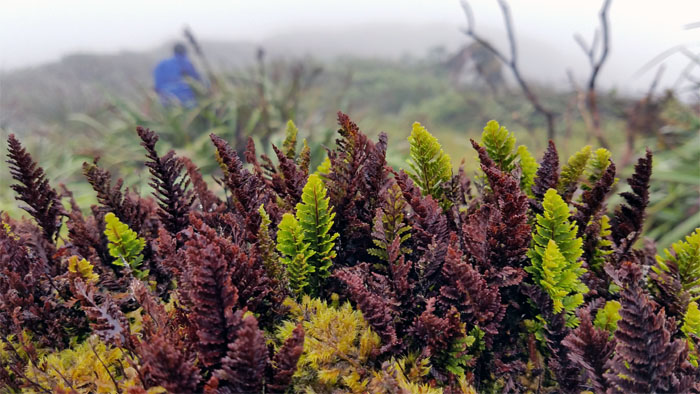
(499, 144)
(295, 253)
(572, 172)
(598, 163)
(686, 256)
(124, 245)
(315, 217)
(607, 317)
(529, 167)
(290, 140)
(554, 255)
(324, 168)
(691, 327)
(431, 167)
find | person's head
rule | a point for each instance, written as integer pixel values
(180, 49)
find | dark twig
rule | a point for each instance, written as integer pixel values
(596, 65)
(512, 62)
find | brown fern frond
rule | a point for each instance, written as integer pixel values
(627, 223)
(43, 203)
(169, 182)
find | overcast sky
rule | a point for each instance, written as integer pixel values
(34, 31)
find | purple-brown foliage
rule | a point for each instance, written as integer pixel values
(478, 303)
(498, 235)
(34, 190)
(126, 207)
(247, 191)
(646, 358)
(354, 184)
(169, 182)
(592, 200)
(627, 223)
(546, 177)
(284, 362)
(589, 349)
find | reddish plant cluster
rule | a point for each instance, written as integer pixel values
(440, 278)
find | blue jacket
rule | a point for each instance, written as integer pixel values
(170, 83)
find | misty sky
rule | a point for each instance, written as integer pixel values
(34, 32)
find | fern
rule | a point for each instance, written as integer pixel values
(500, 147)
(529, 167)
(603, 245)
(125, 245)
(431, 166)
(607, 317)
(304, 159)
(561, 280)
(554, 254)
(389, 224)
(691, 329)
(295, 253)
(324, 168)
(83, 269)
(686, 256)
(598, 163)
(266, 248)
(315, 218)
(290, 140)
(572, 172)
(406, 374)
(499, 144)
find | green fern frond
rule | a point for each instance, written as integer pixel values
(304, 159)
(295, 253)
(431, 166)
(290, 140)
(324, 168)
(599, 162)
(529, 167)
(691, 327)
(315, 217)
(124, 245)
(561, 280)
(554, 255)
(572, 171)
(607, 317)
(83, 269)
(266, 248)
(499, 144)
(392, 225)
(604, 245)
(686, 255)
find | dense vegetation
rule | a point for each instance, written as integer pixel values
(354, 276)
(258, 100)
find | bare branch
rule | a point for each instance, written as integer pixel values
(592, 114)
(584, 47)
(594, 44)
(655, 81)
(685, 74)
(606, 44)
(509, 28)
(512, 62)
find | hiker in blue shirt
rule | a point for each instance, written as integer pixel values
(170, 82)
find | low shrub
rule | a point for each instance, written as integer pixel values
(356, 277)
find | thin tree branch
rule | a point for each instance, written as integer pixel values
(606, 44)
(655, 81)
(512, 62)
(593, 112)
